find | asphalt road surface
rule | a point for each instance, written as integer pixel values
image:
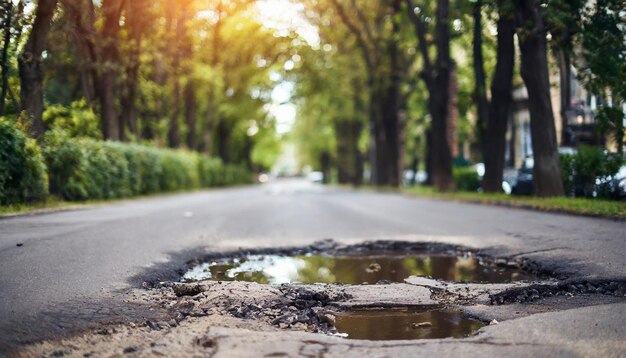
(59, 271)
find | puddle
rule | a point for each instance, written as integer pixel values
(405, 324)
(309, 269)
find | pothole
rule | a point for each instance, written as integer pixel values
(356, 269)
(395, 324)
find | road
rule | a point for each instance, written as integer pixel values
(59, 270)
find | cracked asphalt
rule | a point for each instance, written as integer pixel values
(75, 268)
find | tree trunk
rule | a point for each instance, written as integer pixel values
(6, 27)
(173, 134)
(30, 63)
(325, 166)
(357, 128)
(480, 89)
(565, 84)
(387, 132)
(428, 164)
(223, 138)
(500, 107)
(349, 164)
(547, 179)
(112, 126)
(438, 102)
(191, 110)
(82, 16)
(134, 22)
(453, 112)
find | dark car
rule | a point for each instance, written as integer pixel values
(522, 184)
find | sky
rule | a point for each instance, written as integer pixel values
(285, 16)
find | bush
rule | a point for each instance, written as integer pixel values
(590, 171)
(237, 174)
(466, 178)
(83, 169)
(211, 172)
(22, 170)
(77, 120)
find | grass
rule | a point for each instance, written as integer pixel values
(579, 206)
(51, 204)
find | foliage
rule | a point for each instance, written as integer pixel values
(22, 170)
(603, 70)
(77, 119)
(590, 171)
(466, 178)
(87, 169)
(577, 206)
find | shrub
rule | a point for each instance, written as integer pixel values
(22, 170)
(590, 171)
(211, 172)
(180, 170)
(237, 174)
(82, 169)
(77, 120)
(466, 178)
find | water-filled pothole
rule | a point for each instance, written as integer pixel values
(386, 324)
(352, 269)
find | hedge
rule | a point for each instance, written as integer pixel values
(590, 172)
(86, 169)
(83, 169)
(466, 178)
(22, 170)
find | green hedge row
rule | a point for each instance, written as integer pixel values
(84, 169)
(23, 175)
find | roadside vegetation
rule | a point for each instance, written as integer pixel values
(80, 169)
(579, 206)
(111, 99)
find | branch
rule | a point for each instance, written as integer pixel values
(420, 31)
(367, 56)
(363, 20)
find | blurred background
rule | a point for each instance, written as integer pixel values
(112, 98)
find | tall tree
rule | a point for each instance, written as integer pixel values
(31, 66)
(603, 71)
(137, 17)
(108, 68)
(534, 69)
(563, 19)
(436, 76)
(382, 57)
(501, 100)
(480, 89)
(82, 16)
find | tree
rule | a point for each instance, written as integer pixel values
(501, 100)
(480, 88)
(534, 69)
(383, 62)
(436, 76)
(31, 67)
(108, 69)
(563, 19)
(603, 69)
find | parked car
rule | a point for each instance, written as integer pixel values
(523, 182)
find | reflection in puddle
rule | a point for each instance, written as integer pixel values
(406, 324)
(275, 269)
